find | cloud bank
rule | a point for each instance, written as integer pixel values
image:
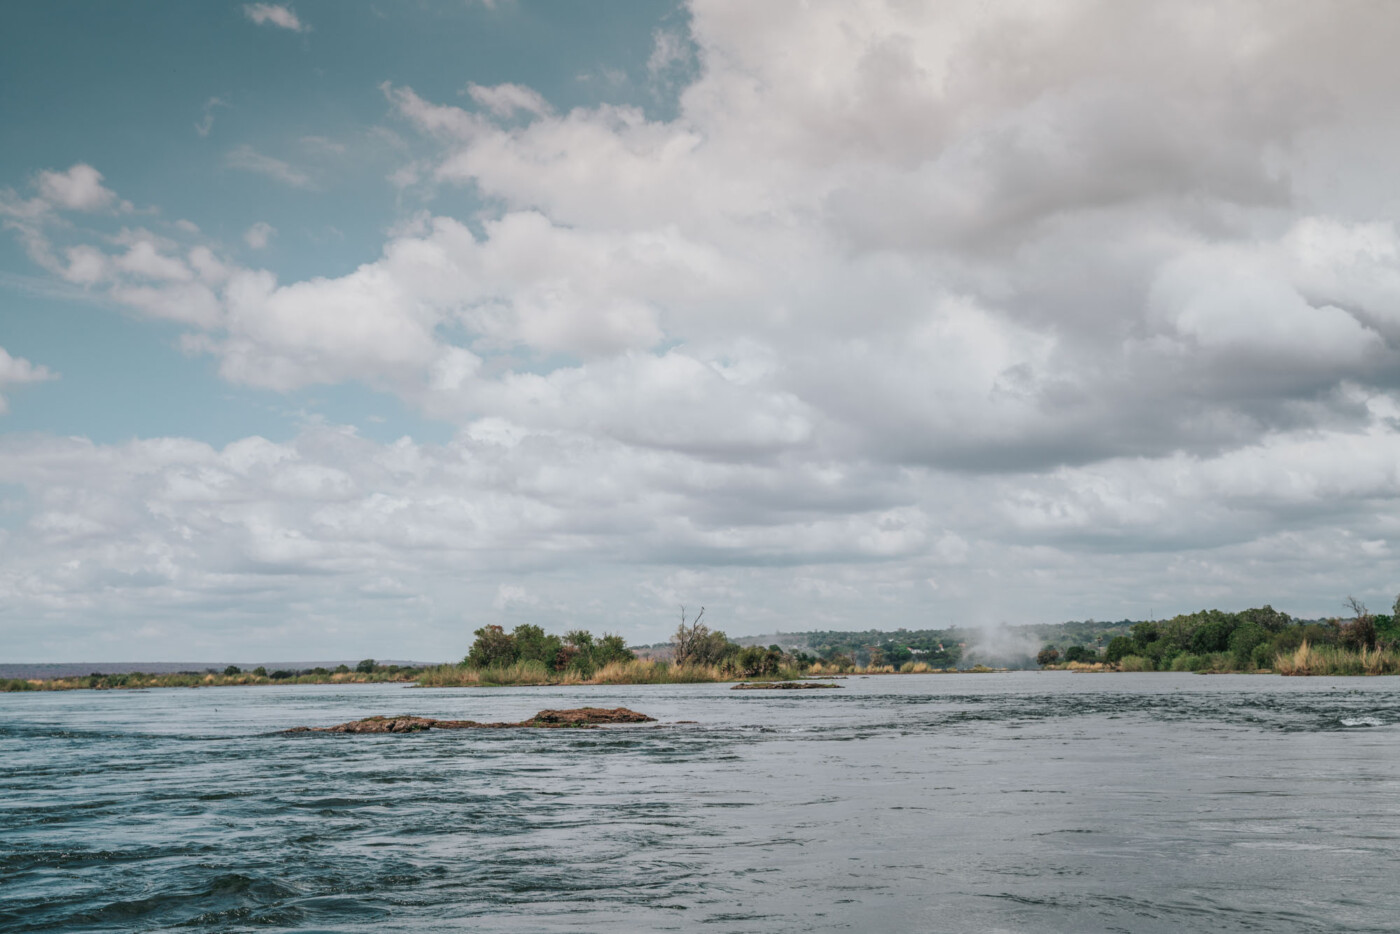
(910, 315)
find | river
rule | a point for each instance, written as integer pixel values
(1024, 801)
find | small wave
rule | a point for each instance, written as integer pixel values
(1361, 721)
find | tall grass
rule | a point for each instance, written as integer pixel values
(1136, 663)
(637, 671)
(457, 676)
(817, 669)
(1334, 660)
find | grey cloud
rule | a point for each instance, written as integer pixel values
(1077, 306)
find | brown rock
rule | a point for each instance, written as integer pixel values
(580, 718)
(782, 686)
(589, 716)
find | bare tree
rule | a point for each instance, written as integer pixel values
(1360, 632)
(689, 638)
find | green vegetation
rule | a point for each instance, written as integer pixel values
(529, 655)
(935, 648)
(1209, 641)
(230, 676)
(532, 654)
(1259, 639)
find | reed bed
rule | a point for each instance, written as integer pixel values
(1309, 660)
(637, 671)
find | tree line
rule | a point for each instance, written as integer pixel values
(1248, 640)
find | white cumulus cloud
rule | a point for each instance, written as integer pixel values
(272, 14)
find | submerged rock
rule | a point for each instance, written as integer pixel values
(578, 718)
(782, 686)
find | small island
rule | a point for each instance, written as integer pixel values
(579, 718)
(782, 686)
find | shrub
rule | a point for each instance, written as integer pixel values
(1136, 663)
(1358, 633)
(1212, 636)
(1267, 618)
(754, 661)
(612, 649)
(1118, 648)
(1244, 640)
(1047, 656)
(493, 648)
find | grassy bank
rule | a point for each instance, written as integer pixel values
(1331, 660)
(636, 671)
(1257, 640)
(1305, 660)
(139, 680)
(640, 671)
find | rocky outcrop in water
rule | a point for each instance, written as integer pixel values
(782, 686)
(577, 718)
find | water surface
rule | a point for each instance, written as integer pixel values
(1028, 801)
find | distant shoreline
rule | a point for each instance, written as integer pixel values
(420, 677)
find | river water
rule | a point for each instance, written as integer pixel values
(1026, 801)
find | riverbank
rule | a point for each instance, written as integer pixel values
(520, 674)
(138, 680)
(1307, 660)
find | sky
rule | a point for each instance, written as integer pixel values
(342, 329)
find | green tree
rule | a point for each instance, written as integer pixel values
(1119, 647)
(1144, 634)
(1266, 616)
(755, 661)
(232, 670)
(897, 655)
(366, 666)
(1244, 640)
(1047, 656)
(1080, 653)
(493, 648)
(1212, 636)
(612, 648)
(533, 644)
